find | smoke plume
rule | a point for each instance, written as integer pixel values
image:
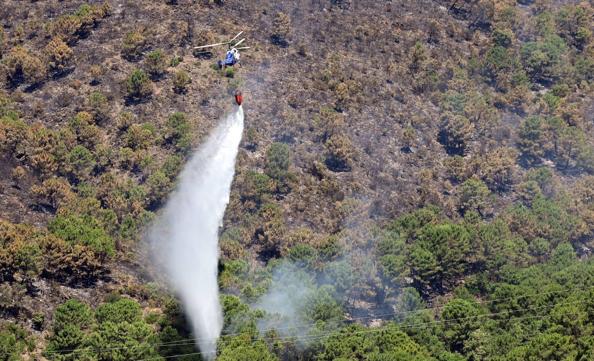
(185, 237)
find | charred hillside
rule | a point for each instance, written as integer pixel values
(403, 155)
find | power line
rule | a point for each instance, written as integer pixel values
(191, 341)
(287, 340)
(309, 325)
(183, 342)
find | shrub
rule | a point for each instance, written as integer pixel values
(12, 342)
(158, 186)
(574, 24)
(466, 315)
(53, 192)
(282, 26)
(502, 37)
(17, 174)
(96, 71)
(340, 153)
(230, 72)
(20, 259)
(13, 132)
(58, 55)
(24, 67)
(140, 136)
(418, 57)
(178, 132)
(99, 106)
(72, 263)
(138, 84)
(66, 28)
(473, 196)
(270, 233)
(73, 26)
(73, 313)
(90, 15)
(254, 187)
(124, 121)
(80, 162)
(277, 161)
(133, 45)
(156, 63)
(175, 61)
(498, 60)
(497, 168)
(172, 166)
(542, 59)
(531, 139)
(552, 101)
(122, 310)
(85, 130)
(181, 80)
(45, 149)
(84, 230)
(584, 67)
(439, 256)
(456, 133)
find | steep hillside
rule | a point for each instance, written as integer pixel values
(427, 157)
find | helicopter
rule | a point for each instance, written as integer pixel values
(231, 57)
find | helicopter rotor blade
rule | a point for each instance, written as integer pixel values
(236, 36)
(239, 42)
(209, 45)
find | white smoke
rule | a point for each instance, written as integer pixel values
(185, 237)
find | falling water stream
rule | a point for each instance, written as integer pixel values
(187, 231)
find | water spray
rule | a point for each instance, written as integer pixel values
(186, 234)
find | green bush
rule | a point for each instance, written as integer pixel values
(82, 334)
(158, 186)
(138, 84)
(85, 130)
(73, 313)
(140, 136)
(80, 162)
(498, 60)
(99, 106)
(13, 340)
(473, 195)
(439, 256)
(181, 80)
(230, 72)
(543, 59)
(172, 166)
(277, 161)
(175, 60)
(255, 186)
(178, 132)
(133, 45)
(84, 230)
(355, 342)
(122, 310)
(465, 313)
(502, 37)
(156, 63)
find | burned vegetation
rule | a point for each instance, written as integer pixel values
(424, 171)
